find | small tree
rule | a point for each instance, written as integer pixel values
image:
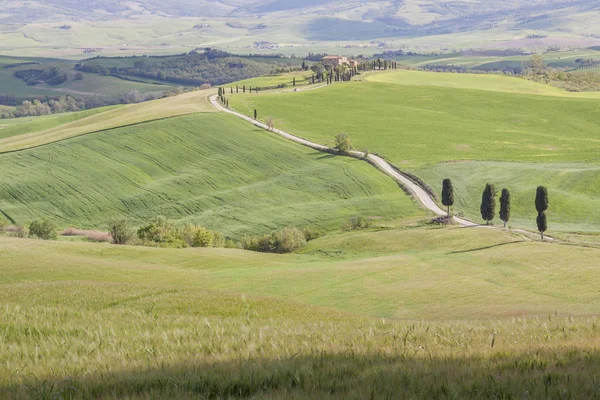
(255, 114)
(343, 143)
(447, 194)
(119, 231)
(45, 230)
(270, 123)
(488, 204)
(505, 206)
(542, 224)
(294, 82)
(244, 89)
(541, 199)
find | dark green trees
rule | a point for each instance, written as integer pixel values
(294, 82)
(255, 114)
(488, 204)
(541, 205)
(542, 224)
(447, 194)
(505, 206)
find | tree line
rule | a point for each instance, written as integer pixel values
(488, 204)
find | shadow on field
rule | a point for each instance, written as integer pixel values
(567, 373)
(486, 247)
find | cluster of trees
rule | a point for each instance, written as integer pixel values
(37, 107)
(39, 229)
(488, 204)
(161, 232)
(379, 64)
(196, 68)
(52, 76)
(281, 241)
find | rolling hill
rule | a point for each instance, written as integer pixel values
(289, 26)
(83, 320)
(471, 128)
(207, 169)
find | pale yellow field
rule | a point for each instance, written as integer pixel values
(188, 103)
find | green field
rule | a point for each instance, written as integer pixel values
(207, 169)
(20, 126)
(84, 320)
(39, 131)
(431, 123)
(302, 78)
(90, 85)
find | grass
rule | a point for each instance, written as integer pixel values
(188, 103)
(19, 126)
(209, 169)
(302, 78)
(418, 125)
(82, 320)
(90, 85)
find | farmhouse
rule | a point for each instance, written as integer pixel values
(339, 60)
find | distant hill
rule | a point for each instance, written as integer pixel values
(297, 21)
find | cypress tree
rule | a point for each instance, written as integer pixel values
(541, 199)
(505, 206)
(541, 205)
(255, 114)
(447, 194)
(294, 82)
(244, 89)
(488, 204)
(542, 224)
(231, 90)
(237, 88)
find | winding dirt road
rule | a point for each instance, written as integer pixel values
(418, 192)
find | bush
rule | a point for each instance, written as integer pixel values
(19, 230)
(203, 238)
(45, 230)
(312, 233)
(343, 143)
(162, 233)
(120, 232)
(357, 223)
(3, 224)
(282, 241)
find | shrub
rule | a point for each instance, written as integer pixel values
(3, 224)
(357, 223)
(312, 233)
(343, 143)
(282, 241)
(219, 240)
(120, 231)
(19, 230)
(203, 238)
(161, 232)
(45, 230)
(287, 240)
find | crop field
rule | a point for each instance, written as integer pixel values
(30, 134)
(207, 169)
(91, 84)
(85, 320)
(302, 78)
(20, 126)
(418, 120)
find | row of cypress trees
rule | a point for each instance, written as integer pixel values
(488, 204)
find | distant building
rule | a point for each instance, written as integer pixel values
(339, 60)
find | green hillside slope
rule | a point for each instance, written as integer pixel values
(209, 169)
(418, 120)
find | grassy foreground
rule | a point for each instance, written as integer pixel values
(209, 169)
(80, 320)
(437, 125)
